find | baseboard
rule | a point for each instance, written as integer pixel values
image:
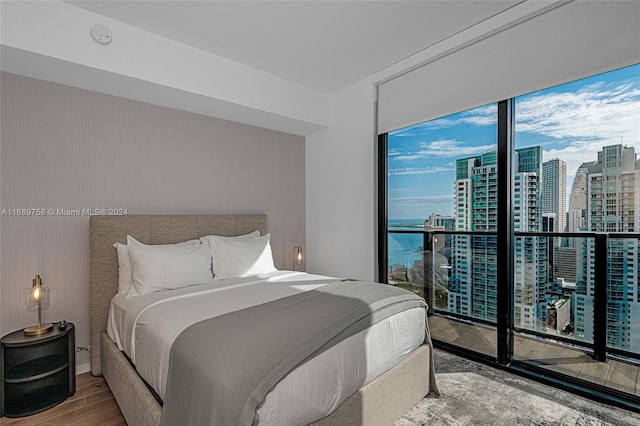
(83, 368)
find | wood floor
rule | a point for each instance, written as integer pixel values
(92, 404)
(620, 375)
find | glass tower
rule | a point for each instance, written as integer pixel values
(473, 284)
(554, 193)
(613, 205)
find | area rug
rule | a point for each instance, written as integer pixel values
(475, 394)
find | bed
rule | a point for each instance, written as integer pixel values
(380, 401)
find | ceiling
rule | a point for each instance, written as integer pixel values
(322, 45)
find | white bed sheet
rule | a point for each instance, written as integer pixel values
(144, 327)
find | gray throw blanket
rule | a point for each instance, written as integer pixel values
(221, 369)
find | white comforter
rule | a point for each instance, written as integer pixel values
(144, 327)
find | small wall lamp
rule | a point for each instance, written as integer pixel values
(36, 298)
(297, 256)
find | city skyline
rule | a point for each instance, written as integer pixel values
(612, 183)
(571, 122)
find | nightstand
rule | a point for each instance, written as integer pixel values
(36, 372)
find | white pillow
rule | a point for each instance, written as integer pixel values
(244, 257)
(164, 268)
(124, 268)
(124, 264)
(254, 234)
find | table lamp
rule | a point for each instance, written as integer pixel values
(36, 298)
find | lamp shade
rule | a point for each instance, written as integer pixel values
(35, 296)
(298, 256)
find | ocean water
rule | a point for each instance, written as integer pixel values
(402, 247)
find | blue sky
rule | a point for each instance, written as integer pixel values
(571, 122)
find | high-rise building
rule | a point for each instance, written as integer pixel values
(554, 192)
(564, 263)
(530, 253)
(473, 284)
(578, 198)
(613, 205)
(440, 222)
(577, 217)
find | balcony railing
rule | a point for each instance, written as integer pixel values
(599, 300)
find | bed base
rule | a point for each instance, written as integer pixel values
(138, 405)
(378, 403)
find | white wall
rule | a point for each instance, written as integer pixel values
(340, 161)
(340, 170)
(69, 148)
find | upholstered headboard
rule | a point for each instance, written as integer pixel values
(104, 231)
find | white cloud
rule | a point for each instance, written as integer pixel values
(450, 148)
(582, 122)
(410, 157)
(594, 113)
(407, 131)
(453, 148)
(482, 116)
(418, 171)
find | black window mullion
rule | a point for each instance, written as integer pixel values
(383, 235)
(505, 273)
(600, 297)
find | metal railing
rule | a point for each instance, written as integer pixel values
(601, 249)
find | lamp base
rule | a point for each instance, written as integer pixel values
(37, 329)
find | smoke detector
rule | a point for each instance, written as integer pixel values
(101, 34)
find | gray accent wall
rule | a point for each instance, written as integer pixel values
(64, 148)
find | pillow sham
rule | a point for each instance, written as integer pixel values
(254, 234)
(124, 264)
(164, 268)
(244, 257)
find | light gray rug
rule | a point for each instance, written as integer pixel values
(476, 394)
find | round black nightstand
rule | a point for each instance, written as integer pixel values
(36, 372)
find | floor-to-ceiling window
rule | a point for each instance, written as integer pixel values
(573, 210)
(588, 193)
(442, 175)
